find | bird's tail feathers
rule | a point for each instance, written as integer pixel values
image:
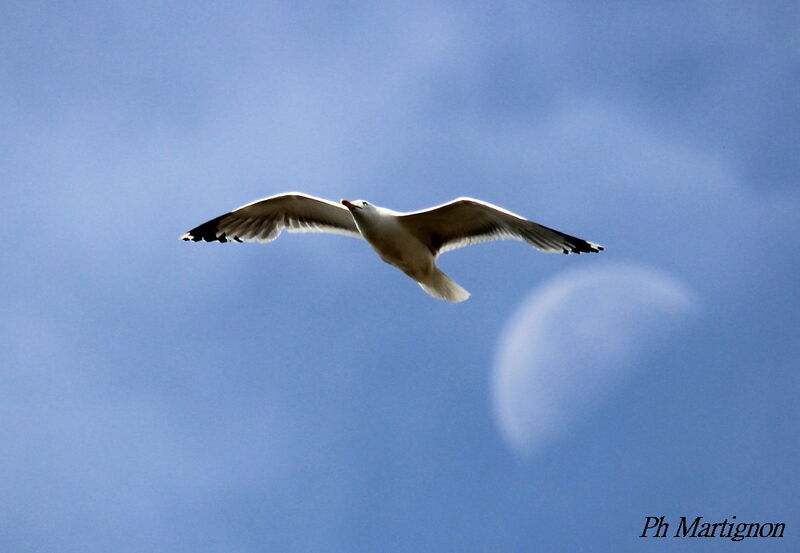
(441, 286)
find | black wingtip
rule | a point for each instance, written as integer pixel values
(582, 246)
(207, 232)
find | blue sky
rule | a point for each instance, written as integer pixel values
(303, 396)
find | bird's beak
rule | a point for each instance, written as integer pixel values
(349, 205)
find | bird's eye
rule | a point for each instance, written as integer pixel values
(365, 204)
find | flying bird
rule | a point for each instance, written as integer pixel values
(409, 241)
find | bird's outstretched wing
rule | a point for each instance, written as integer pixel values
(466, 221)
(263, 220)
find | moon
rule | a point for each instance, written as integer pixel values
(572, 340)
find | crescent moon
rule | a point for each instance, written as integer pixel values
(572, 340)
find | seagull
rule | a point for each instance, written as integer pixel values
(409, 241)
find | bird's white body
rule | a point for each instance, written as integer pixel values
(409, 241)
(394, 244)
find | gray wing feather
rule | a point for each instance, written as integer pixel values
(263, 220)
(467, 221)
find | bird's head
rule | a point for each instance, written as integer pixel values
(360, 207)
